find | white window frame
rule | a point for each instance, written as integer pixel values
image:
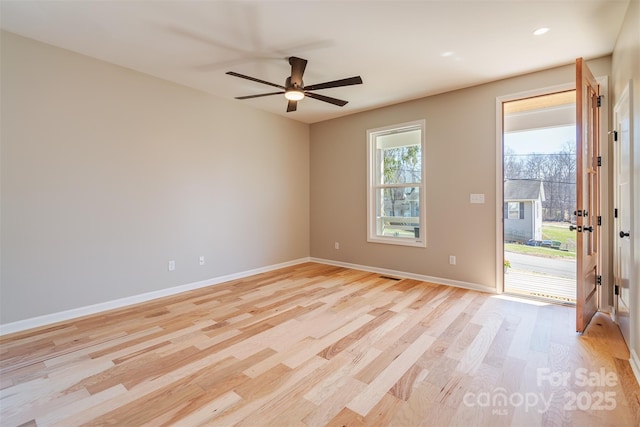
(373, 186)
(511, 211)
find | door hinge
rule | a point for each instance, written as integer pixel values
(599, 220)
(599, 280)
(616, 290)
(599, 101)
(615, 134)
(615, 212)
(599, 160)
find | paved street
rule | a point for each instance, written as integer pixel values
(550, 266)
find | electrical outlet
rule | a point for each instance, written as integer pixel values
(201, 259)
(172, 265)
(452, 259)
(336, 245)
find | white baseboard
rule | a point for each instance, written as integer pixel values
(63, 316)
(48, 319)
(403, 274)
(634, 361)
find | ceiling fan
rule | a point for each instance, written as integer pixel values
(294, 89)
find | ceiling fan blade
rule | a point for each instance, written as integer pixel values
(298, 66)
(258, 96)
(334, 101)
(292, 106)
(336, 83)
(242, 76)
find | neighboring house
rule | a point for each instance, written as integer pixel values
(523, 210)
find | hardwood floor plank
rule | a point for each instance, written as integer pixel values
(383, 411)
(338, 346)
(140, 411)
(453, 392)
(30, 396)
(521, 342)
(315, 345)
(345, 418)
(273, 410)
(376, 389)
(387, 328)
(403, 388)
(292, 416)
(497, 352)
(417, 409)
(44, 406)
(460, 346)
(333, 402)
(631, 393)
(541, 334)
(61, 412)
(341, 369)
(373, 369)
(253, 406)
(480, 346)
(437, 351)
(312, 348)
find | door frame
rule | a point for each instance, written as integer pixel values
(607, 224)
(623, 101)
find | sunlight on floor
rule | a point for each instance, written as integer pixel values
(522, 300)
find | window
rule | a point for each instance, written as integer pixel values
(514, 210)
(396, 212)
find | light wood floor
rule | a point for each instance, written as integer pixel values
(315, 345)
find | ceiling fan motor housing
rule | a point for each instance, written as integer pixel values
(289, 85)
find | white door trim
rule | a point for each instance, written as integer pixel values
(604, 127)
(622, 104)
(499, 169)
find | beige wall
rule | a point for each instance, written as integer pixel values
(107, 174)
(625, 69)
(461, 159)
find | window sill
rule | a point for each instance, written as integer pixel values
(398, 242)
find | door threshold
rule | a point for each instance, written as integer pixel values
(551, 299)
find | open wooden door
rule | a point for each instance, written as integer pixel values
(588, 194)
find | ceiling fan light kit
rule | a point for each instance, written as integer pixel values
(294, 94)
(294, 89)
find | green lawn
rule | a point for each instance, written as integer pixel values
(558, 232)
(538, 251)
(550, 231)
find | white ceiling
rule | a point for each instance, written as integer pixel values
(402, 49)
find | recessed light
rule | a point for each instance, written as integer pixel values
(541, 31)
(445, 54)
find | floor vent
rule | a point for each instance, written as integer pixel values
(390, 278)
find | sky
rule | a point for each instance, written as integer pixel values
(540, 141)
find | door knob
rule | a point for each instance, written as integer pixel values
(623, 234)
(572, 228)
(588, 229)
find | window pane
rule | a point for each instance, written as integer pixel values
(395, 213)
(514, 210)
(398, 212)
(402, 165)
